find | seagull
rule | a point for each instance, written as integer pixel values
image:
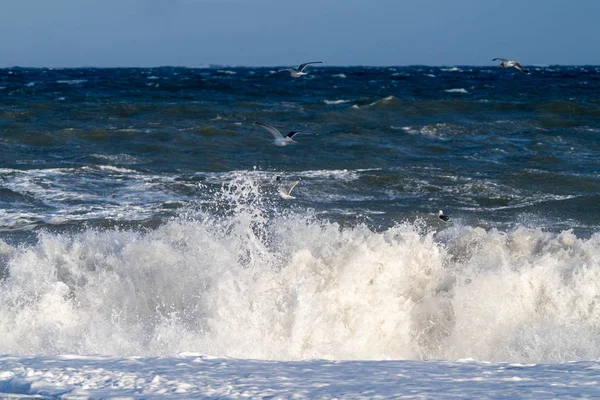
(285, 192)
(507, 64)
(443, 216)
(280, 140)
(298, 72)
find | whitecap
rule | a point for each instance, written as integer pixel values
(72, 81)
(330, 102)
(385, 100)
(396, 293)
(117, 169)
(459, 90)
(453, 69)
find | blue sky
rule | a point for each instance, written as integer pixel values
(138, 33)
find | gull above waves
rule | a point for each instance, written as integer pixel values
(443, 216)
(286, 191)
(298, 72)
(280, 140)
(507, 64)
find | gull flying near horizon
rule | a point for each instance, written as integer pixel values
(507, 64)
(298, 72)
(280, 140)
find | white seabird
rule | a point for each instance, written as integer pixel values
(443, 216)
(507, 64)
(298, 72)
(280, 140)
(285, 191)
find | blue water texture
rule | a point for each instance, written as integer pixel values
(492, 147)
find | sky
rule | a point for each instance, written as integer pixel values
(193, 33)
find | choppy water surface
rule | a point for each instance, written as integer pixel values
(142, 203)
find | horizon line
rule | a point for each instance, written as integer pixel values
(212, 66)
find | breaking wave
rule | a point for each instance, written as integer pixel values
(242, 278)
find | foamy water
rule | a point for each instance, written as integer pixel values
(299, 287)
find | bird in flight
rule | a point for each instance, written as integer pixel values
(298, 72)
(280, 140)
(286, 191)
(443, 216)
(507, 64)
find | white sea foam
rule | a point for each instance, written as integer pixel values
(117, 169)
(329, 102)
(339, 76)
(453, 69)
(267, 176)
(459, 90)
(130, 195)
(383, 101)
(249, 284)
(72, 81)
(337, 174)
(434, 130)
(118, 158)
(196, 375)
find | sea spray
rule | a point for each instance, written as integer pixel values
(247, 277)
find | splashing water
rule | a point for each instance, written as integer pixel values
(243, 279)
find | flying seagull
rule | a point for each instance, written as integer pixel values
(443, 216)
(507, 64)
(285, 191)
(280, 140)
(298, 72)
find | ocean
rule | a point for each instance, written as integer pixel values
(141, 221)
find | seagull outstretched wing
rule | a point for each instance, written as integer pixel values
(521, 68)
(302, 66)
(274, 131)
(292, 186)
(292, 133)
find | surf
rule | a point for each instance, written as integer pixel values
(249, 281)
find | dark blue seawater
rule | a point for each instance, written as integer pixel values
(492, 147)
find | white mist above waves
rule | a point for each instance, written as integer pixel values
(287, 287)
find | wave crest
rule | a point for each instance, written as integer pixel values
(246, 282)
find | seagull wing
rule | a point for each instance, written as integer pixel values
(501, 59)
(521, 68)
(302, 66)
(292, 186)
(271, 129)
(293, 133)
